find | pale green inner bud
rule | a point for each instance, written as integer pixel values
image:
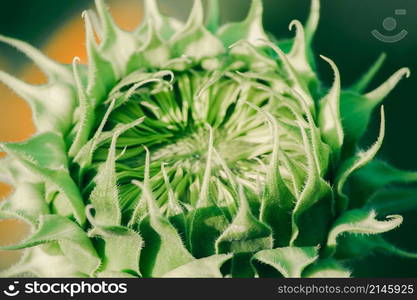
(176, 130)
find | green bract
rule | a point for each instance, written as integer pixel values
(198, 150)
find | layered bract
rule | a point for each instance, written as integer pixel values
(198, 150)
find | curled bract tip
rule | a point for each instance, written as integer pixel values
(76, 60)
(382, 91)
(88, 212)
(295, 24)
(407, 72)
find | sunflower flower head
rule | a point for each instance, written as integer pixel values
(197, 150)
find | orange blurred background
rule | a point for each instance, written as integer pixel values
(15, 115)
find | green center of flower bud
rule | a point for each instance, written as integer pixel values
(179, 118)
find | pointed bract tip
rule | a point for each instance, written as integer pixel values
(256, 10)
(332, 64)
(103, 11)
(381, 135)
(50, 67)
(152, 206)
(313, 20)
(27, 91)
(243, 201)
(89, 30)
(367, 77)
(81, 93)
(197, 13)
(107, 23)
(146, 150)
(324, 57)
(382, 110)
(100, 3)
(151, 8)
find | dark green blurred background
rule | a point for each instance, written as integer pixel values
(344, 35)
